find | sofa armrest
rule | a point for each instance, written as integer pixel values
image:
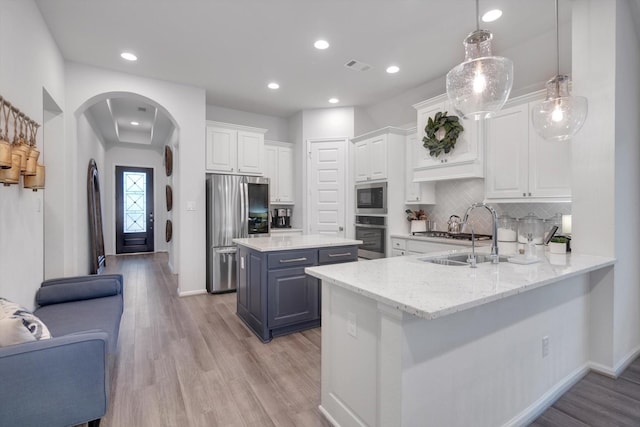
(59, 381)
(68, 289)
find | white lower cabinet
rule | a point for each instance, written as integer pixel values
(279, 169)
(409, 246)
(521, 165)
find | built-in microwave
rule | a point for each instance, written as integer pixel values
(371, 198)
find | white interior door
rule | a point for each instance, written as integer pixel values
(327, 183)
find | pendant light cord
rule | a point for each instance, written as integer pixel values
(478, 14)
(557, 42)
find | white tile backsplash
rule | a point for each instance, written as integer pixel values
(455, 197)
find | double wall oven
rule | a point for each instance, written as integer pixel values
(371, 220)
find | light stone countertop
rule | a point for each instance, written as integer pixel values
(430, 290)
(286, 242)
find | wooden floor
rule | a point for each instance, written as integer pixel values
(598, 401)
(191, 362)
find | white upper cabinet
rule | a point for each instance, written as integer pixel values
(279, 169)
(234, 149)
(371, 159)
(464, 161)
(416, 192)
(521, 165)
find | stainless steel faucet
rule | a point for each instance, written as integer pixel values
(495, 258)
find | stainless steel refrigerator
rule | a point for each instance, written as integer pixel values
(237, 206)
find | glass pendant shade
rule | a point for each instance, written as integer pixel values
(481, 84)
(560, 116)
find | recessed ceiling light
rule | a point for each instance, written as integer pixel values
(134, 123)
(321, 44)
(492, 15)
(129, 56)
(392, 69)
(334, 100)
(273, 85)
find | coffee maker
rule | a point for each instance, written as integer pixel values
(281, 218)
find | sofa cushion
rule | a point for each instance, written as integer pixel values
(18, 325)
(77, 316)
(67, 292)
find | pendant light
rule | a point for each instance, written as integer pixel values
(560, 116)
(481, 84)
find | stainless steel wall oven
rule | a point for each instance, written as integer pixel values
(372, 230)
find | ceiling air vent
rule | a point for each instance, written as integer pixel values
(357, 65)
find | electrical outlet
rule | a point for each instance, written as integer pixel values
(352, 324)
(545, 346)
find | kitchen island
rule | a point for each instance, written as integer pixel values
(406, 342)
(275, 296)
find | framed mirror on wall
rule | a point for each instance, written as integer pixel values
(96, 237)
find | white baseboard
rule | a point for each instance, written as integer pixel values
(536, 409)
(328, 417)
(191, 293)
(620, 366)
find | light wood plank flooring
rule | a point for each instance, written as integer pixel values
(191, 362)
(598, 401)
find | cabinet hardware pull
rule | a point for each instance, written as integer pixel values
(284, 261)
(337, 255)
(529, 194)
(524, 194)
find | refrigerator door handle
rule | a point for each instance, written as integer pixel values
(227, 250)
(244, 210)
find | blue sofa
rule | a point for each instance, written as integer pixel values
(64, 381)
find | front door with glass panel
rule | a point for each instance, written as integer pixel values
(134, 209)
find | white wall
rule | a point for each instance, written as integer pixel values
(627, 185)
(605, 159)
(89, 147)
(29, 63)
(186, 106)
(278, 128)
(296, 137)
(143, 157)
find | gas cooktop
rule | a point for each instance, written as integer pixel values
(455, 236)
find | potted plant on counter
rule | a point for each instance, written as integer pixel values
(418, 220)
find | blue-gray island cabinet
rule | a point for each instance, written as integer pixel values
(275, 296)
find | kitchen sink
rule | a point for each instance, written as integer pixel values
(460, 260)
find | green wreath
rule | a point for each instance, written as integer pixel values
(435, 141)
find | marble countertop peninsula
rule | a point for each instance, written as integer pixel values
(444, 240)
(429, 291)
(286, 242)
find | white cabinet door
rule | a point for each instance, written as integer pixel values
(378, 157)
(271, 170)
(362, 161)
(507, 136)
(416, 192)
(520, 163)
(221, 150)
(549, 167)
(465, 152)
(285, 175)
(250, 152)
(424, 159)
